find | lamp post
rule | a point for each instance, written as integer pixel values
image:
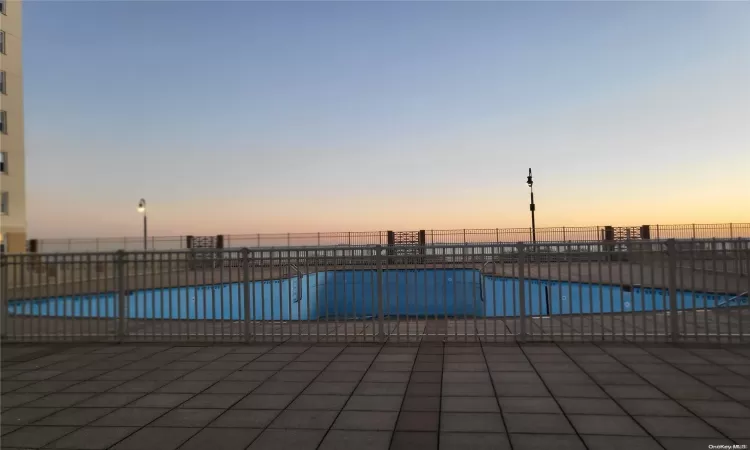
(532, 207)
(142, 210)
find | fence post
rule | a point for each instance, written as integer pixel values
(258, 238)
(122, 310)
(497, 235)
(731, 232)
(289, 239)
(246, 291)
(379, 265)
(4, 295)
(521, 290)
(672, 269)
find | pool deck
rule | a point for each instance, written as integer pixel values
(34, 285)
(369, 397)
(718, 325)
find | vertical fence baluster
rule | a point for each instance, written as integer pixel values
(245, 255)
(521, 291)
(120, 266)
(672, 268)
(379, 289)
(4, 301)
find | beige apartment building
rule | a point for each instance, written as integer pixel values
(12, 170)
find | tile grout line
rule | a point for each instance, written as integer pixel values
(139, 428)
(94, 348)
(77, 427)
(660, 390)
(554, 397)
(364, 374)
(406, 391)
(494, 391)
(440, 397)
(698, 380)
(610, 396)
(398, 414)
(248, 394)
(62, 408)
(746, 376)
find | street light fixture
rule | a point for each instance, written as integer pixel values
(142, 210)
(532, 207)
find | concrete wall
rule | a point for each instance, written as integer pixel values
(13, 225)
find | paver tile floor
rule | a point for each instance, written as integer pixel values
(370, 397)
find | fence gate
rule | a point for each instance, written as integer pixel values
(401, 243)
(202, 259)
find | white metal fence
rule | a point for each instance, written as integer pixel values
(669, 291)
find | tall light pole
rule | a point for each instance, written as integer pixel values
(142, 210)
(532, 207)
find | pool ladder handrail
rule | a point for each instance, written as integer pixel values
(493, 262)
(481, 281)
(299, 284)
(736, 298)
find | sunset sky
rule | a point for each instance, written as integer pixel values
(244, 117)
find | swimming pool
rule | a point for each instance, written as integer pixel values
(355, 295)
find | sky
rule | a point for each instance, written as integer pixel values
(244, 117)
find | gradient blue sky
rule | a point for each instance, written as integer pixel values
(239, 117)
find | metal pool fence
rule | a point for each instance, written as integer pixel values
(432, 237)
(653, 292)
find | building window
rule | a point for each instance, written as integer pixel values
(3, 203)
(3, 162)
(2, 6)
(2, 82)
(2, 42)
(3, 122)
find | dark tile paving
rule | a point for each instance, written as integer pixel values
(538, 423)
(75, 416)
(288, 439)
(257, 418)
(130, 417)
(367, 396)
(360, 440)
(221, 439)
(408, 440)
(93, 438)
(311, 420)
(34, 436)
(474, 441)
(155, 438)
(472, 422)
(551, 441)
(623, 443)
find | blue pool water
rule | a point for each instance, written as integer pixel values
(354, 294)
